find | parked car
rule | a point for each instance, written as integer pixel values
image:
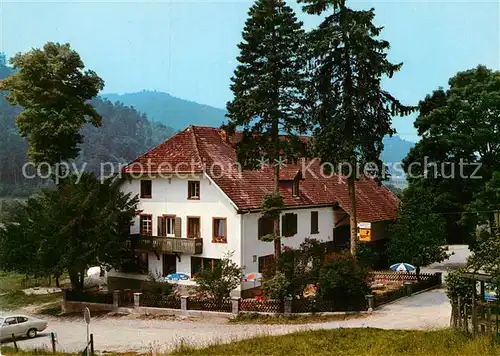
(20, 326)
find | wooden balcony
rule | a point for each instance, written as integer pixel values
(162, 244)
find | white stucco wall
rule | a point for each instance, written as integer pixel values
(170, 197)
(253, 246)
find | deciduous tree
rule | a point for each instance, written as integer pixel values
(53, 89)
(82, 224)
(459, 149)
(418, 234)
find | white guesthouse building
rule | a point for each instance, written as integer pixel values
(197, 205)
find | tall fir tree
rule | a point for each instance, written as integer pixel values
(349, 110)
(268, 85)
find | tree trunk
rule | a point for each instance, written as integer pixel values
(353, 217)
(417, 272)
(75, 281)
(82, 279)
(276, 230)
(57, 282)
(349, 132)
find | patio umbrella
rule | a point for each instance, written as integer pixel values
(253, 276)
(178, 277)
(402, 267)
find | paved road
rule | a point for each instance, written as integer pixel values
(458, 257)
(427, 310)
(423, 311)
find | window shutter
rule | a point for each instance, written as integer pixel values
(314, 222)
(289, 224)
(160, 226)
(260, 229)
(177, 227)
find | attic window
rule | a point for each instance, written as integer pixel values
(194, 190)
(146, 189)
(295, 188)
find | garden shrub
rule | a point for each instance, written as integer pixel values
(277, 287)
(343, 281)
(457, 286)
(155, 285)
(219, 282)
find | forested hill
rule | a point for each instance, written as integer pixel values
(171, 111)
(124, 135)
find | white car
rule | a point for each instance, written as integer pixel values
(20, 326)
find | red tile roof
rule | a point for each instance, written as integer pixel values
(206, 149)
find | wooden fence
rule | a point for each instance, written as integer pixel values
(477, 318)
(131, 299)
(399, 276)
(427, 280)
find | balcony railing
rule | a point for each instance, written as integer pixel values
(168, 244)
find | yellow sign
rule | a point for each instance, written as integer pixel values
(365, 234)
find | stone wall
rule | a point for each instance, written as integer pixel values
(79, 307)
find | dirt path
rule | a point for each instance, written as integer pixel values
(423, 311)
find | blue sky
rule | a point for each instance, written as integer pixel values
(188, 48)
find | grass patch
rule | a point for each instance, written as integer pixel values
(10, 282)
(355, 342)
(255, 318)
(11, 351)
(7, 350)
(342, 342)
(19, 299)
(52, 310)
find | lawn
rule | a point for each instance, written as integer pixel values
(254, 318)
(12, 296)
(10, 282)
(341, 342)
(355, 342)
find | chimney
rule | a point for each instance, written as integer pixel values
(225, 137)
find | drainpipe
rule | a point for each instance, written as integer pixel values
(242, 244)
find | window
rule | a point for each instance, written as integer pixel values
(219, 230)
(170, 226)
(193, 190)
(266, 227)
(10, 321)
(289, 224)
(193, 227)
(200, 264)
(314, 222)
(146, 224)
(266, 263)
(295, 188)
(146, 189)
(144, 262)
(21, 319)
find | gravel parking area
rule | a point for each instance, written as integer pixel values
(128, 333)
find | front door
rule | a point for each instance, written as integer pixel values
(169, 264)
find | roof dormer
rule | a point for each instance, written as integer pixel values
(291, 177)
